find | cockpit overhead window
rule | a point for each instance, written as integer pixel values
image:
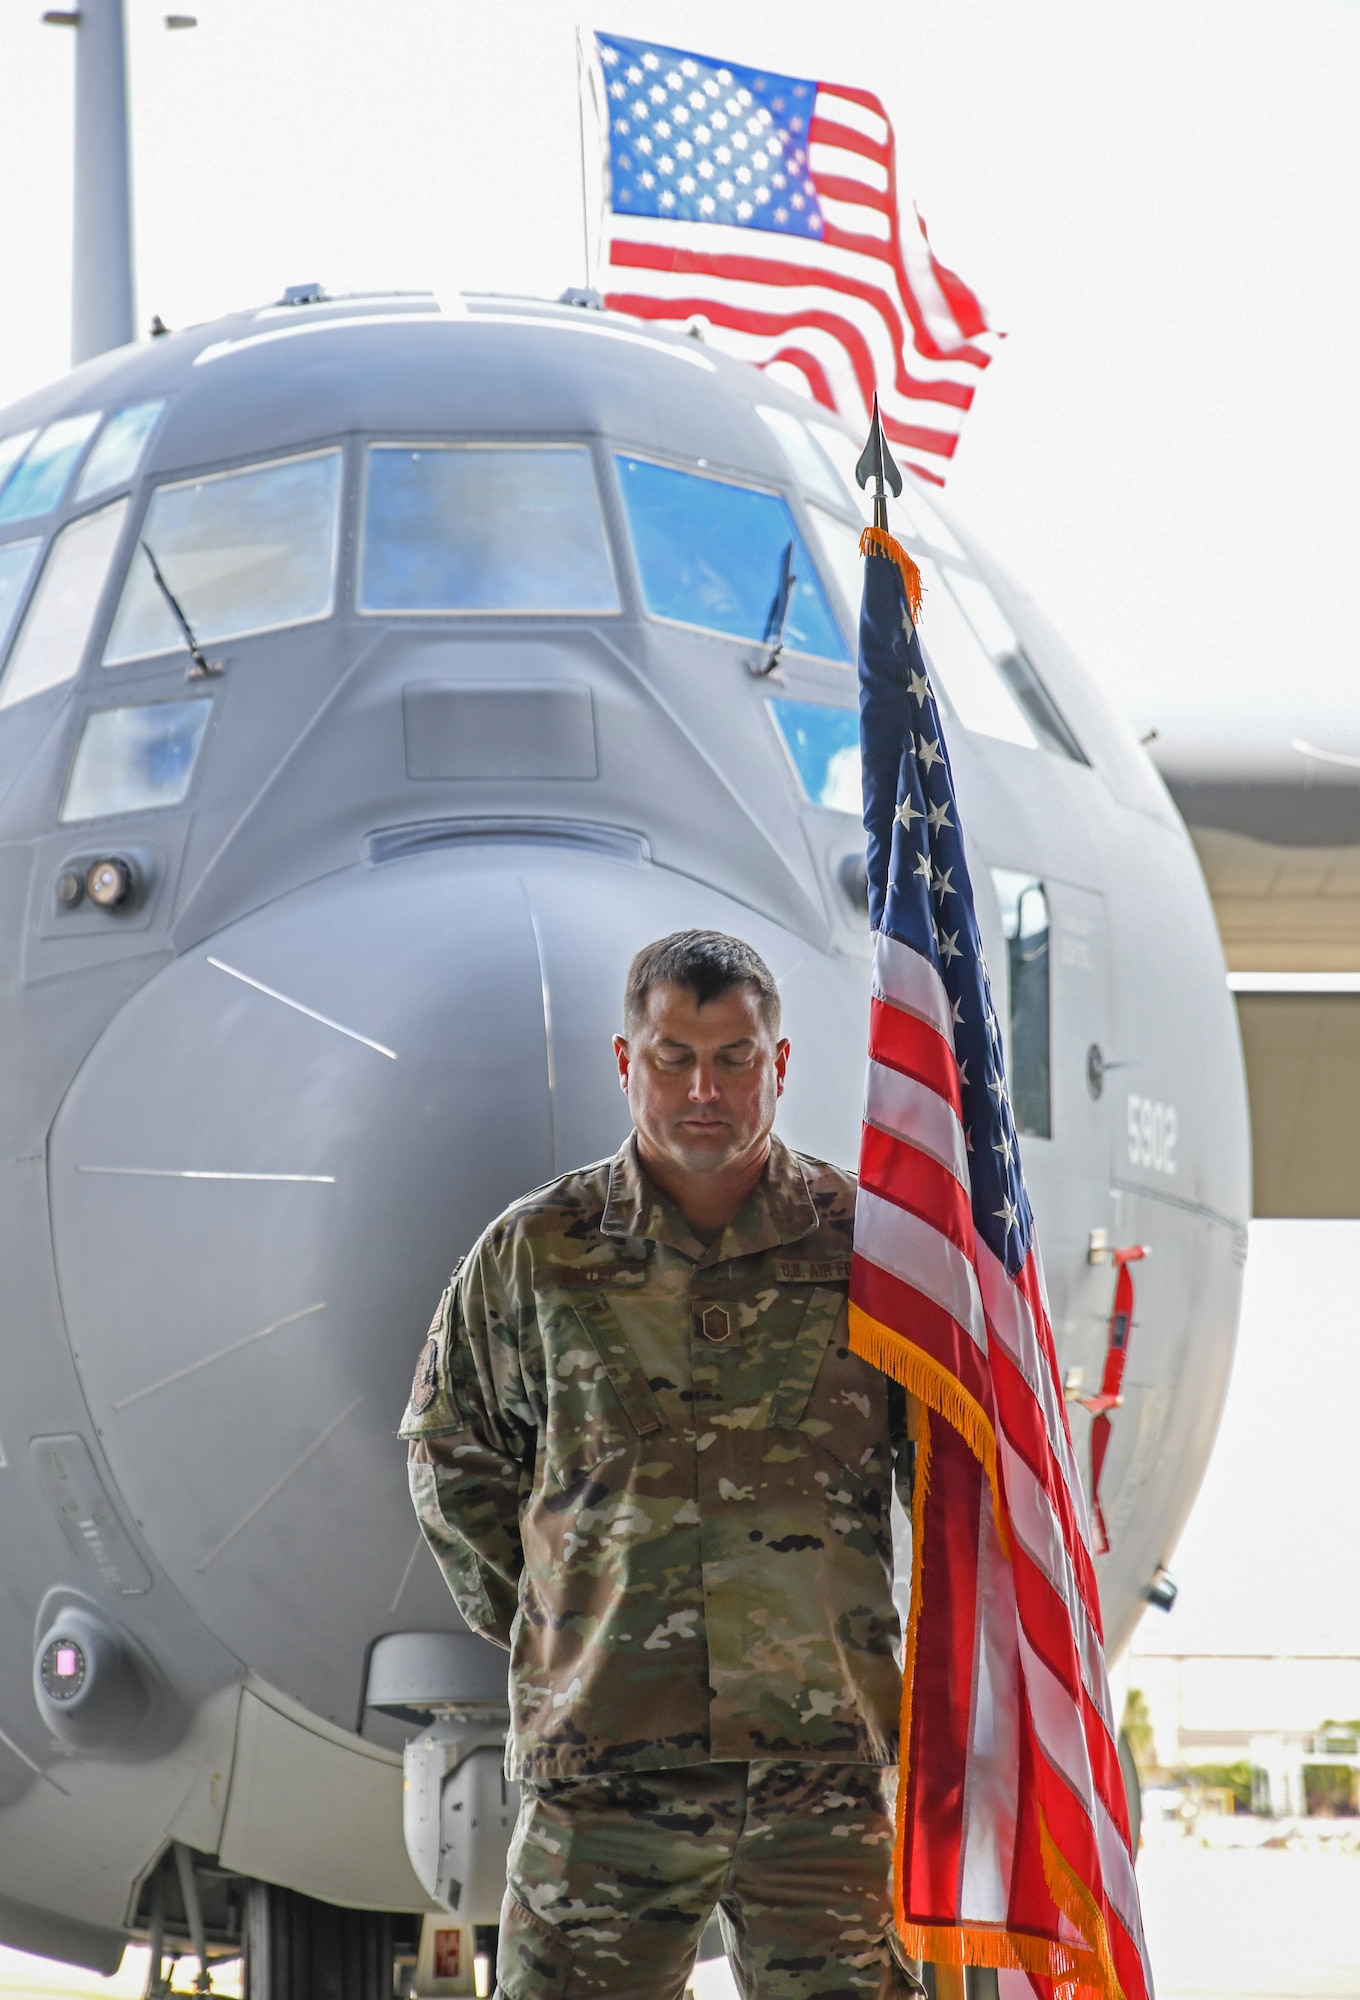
(118, 449)
(710, 554)
(38, 481)
(245, 551)
(483, 528)
(12, 450)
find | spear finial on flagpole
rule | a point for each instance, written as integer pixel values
(876, 463)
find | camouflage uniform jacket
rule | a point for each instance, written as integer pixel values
(653, 1470)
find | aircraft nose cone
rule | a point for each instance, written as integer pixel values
(267, 1167)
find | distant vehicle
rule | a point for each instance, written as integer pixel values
(374, 680)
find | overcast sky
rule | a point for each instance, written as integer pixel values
(1159, 201)
(1161, 204)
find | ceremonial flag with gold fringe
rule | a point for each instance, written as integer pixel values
(1013, 1837)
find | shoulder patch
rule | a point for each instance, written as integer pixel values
(426, 1384)
(812, 1270)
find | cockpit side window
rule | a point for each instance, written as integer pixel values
(246, 551)
(56, 627)
(998, 639)
(710, 552)
(822, 743)
(483, 528)
(986, 673)
(807, 460)
(16, 566)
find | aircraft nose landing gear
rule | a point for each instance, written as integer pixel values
(299, 1949)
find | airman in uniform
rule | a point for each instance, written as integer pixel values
(650, 1467)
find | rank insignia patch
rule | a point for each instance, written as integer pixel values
(426, 1383)
(715, 1324)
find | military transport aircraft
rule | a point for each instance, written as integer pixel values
(374, 679)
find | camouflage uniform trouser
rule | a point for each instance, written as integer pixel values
(612, 1879)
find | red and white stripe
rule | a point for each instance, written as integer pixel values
(865, 306)
(1009, 1754)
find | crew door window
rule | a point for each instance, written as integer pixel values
(1025, 925)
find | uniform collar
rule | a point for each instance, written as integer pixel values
(779, 1209)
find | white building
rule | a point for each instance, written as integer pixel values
(1264, 1709)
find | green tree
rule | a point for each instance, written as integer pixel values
(1329, 1789)
(1136, 1728)
(1234, 1778)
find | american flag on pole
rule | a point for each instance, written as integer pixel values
(1013, 1836)
(767, 206)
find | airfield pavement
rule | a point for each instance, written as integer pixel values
(1222, 1923)
(1230, 1924)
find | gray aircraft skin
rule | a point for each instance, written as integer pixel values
(382, 891)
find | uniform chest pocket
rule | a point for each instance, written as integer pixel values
(844, 1409)
(823, 1315)
(599, 1401)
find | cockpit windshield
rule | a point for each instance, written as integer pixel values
(483, 528)
(709, 553)
(244, 551)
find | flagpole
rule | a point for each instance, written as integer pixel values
(581, 77)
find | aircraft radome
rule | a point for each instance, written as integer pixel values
(310, 965)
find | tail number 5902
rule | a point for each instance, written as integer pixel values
(1152, 1135)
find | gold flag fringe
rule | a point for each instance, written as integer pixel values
(1084, 1971)
(1079, 1971)
(878, 542)
(920, 1486)
(1080, 1908)
(1074, 1970)
(934, 1387)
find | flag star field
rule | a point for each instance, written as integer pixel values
(706, 142)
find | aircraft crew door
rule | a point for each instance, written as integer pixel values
(1056, 1012)
(1080, 1040)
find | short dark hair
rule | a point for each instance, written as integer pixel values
(709, 963)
